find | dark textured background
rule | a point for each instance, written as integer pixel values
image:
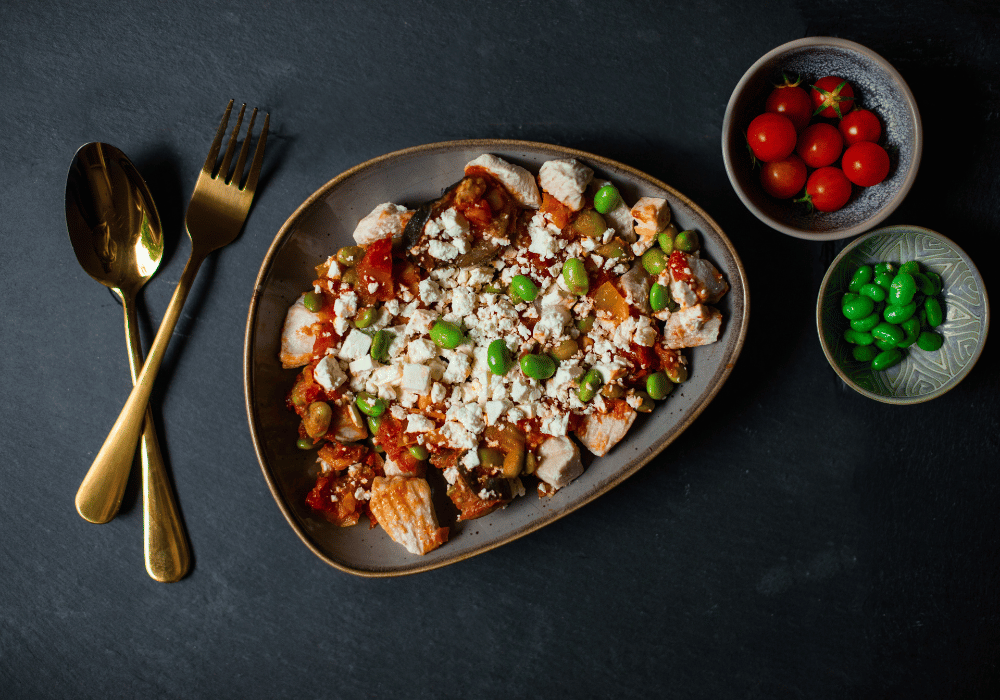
(798, 541)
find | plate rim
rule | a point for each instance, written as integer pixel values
(280, 237)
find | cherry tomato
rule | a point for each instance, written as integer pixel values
(832, 97)
(784, 178)
(827, 189)
(791, 101)
(866, 163)
(771, 137)
(820, 145)
(860, 125)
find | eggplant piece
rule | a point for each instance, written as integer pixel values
(424, 213)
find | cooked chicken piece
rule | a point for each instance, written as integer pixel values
(636, 283)
(402, 505)
(558, 461)
(298, 335)
(691, 327)
(702, 283)
(384, 220)
(566, 180)
(348, 425)
(599, 432)
(651, 215)
(518, 181)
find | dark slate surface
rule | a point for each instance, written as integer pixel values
(798, 541)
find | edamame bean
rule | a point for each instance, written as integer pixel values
(491, 289)
(585, 324)
(687, 241)
(864, 353)
(565, 350)
(858, 337)
(884, 281)
(930, 341)
(304, 444)
(317, 419)
(935, 280)
(896, 313)
(498, 357)
(911, 327)
(872, 291)
(658, 385)
(575, 275)
(924, 284)
(446, 334)
(365, 317)
(935, 314)
(902, 289)
(419, 452)
(589, 223)
(862, 276)
(859, 307)
(606, 199)
(612, 249)
(677, 373)
(883, 344)
(665, 240)
(885, 268)
(589, 385)
(613, 391)
(373, 423)
(369, 404)
(868, 322)
(888, 333)
(524, 288)
(538, 366)
(380, 346)
(646, 403)
(886, 359)
(659, 296)
(350, 277)
(490, 458)
(350, 255)
(655, 260)
(313, 301)
(910, 267)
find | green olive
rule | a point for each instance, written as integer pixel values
(565, 350)
(350, 255)
(498, 357)
(523, 288)
(589, 223)
(575, 275)
(655, 261)
(419, 452)
(687, 241)
(370, 405)
(313, 301)
(606, 199)
(538, 366)
(446, 334)
(658, 385)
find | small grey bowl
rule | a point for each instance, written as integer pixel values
(877, 87)
(922, 375)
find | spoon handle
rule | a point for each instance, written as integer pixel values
(114, 460)
(165, 545)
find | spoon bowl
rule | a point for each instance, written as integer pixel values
(116, 233)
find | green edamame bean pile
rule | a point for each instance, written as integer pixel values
(890, 308)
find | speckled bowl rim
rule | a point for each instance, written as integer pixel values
(828, 351)
(890, 206)
(736, 336)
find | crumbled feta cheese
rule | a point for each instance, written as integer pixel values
(416, 378)
(416, 423)
(421, 350)
(328, 373)
(355, 345)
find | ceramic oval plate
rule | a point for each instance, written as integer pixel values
(324, 223)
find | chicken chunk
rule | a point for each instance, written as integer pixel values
(402, 505)
(385, 220)
(651, 215)
(599, 432)
(691, 327)
(558, 462)
(348, 425)
(566, 180)
(619, 218)
(518, 181)
(298, 335)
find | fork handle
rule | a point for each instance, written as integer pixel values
(118, 451)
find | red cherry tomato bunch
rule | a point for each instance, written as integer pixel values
(802, 135)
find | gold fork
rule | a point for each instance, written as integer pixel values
(215, 215)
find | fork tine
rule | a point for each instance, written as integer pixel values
(213, 153)
(241, 161)
(228, 158)
(258, 158)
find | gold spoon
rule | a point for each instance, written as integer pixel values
(115, 230)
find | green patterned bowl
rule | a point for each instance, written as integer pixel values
(922, 375)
